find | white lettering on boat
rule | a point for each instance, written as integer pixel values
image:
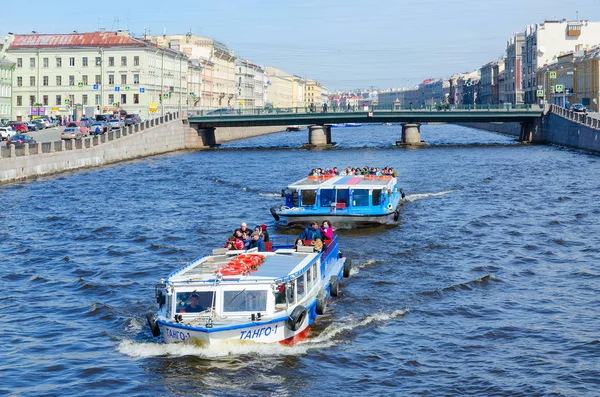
(257, 333)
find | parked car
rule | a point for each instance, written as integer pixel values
(18, 126)
(578, 107)
(6, 133)
(20, 140)
(132, 119)
(219, 112)
(40, 124)
(71, 133)
(99, 127)
(78, 124)
(115, 124)
(87, 121)
(31, 126)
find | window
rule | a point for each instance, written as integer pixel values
(58, 62)
(19, 100)
(136, 98)
(123, 99)
(45, 80)
(136, 61)
(309, 280)
(327, 197)
(31, 100)
(111, 99)
(360, 198)
(71, 80)
(72, 61)
(300, 287)
(58, 100)
(19, 81)
(244, 301)
(123, 61)
(45, 62)
(84, 78)
(19, 62)
(32, 62)
(97, 99)
(84, 99)
(308, 198)
(84, 61)
(123, 79)
(98, 61)
(32, 81)
(376, 197)
(58, 80)
(45, 100)
(97, 79)
(136, 79)
(184, 305)
(111, 61)
(111, 79)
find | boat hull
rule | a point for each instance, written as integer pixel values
(337, 219)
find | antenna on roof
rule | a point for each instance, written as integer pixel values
(117, 20)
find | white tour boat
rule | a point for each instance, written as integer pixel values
(249, 296)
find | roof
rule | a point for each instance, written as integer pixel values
(90, 39)
(344, 182)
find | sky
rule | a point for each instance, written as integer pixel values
(344, 44)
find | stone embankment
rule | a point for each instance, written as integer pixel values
(161, 135)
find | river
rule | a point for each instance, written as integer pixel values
(490, 284)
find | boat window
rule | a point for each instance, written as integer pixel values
(343, 195)
(327, 197)
(300, 287)
(376, 197)
(194, 302)
(314, 272)
(309, 281)
(290, 291)
(360, 198)
(292, 199)
(244, 301)
(309, 198)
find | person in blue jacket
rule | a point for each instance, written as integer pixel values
(311, 232)
(257, 242)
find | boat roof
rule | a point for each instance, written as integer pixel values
(344, 182)
(279, 265)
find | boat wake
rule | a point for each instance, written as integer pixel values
(324, 339)
(415, 197)
(246, 188)
(356, 267)
(467, 286)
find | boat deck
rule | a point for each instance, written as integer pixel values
(343, 181)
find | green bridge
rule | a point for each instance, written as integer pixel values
(319, 123)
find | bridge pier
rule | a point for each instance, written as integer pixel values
(203, 137)
(319, 136)
(411, 135)
(532, 131)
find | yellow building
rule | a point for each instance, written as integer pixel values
(312, 93)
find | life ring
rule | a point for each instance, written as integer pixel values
(296, 318)
(334, 286)
(153, 324)
(347, 267)
(321, 306)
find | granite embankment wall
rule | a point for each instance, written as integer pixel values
(503, 128)
(161, 135)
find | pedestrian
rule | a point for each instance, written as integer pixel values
(324, 108)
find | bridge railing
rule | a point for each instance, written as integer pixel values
(578, 117)
(370, 108)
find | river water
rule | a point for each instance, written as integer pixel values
(489, 286)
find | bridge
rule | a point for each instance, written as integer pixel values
(320, 122)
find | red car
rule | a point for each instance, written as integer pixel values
(18, 126)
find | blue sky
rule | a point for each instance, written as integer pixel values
(345, 44)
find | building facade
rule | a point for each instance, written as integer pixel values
(312, 93)
(98, 72)
(543, 44)
(250, 85)
(513, 83)
(6, 76)
(279, 89)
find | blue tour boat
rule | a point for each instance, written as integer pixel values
(353, 199)
(249, 296)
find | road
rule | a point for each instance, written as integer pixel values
(45, 135)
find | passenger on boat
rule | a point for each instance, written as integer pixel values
(317, 243)
(326, 230)
(234, 244)
(194, 305)
(299, 242)
(246, 238)
(257, 242)
(311, 232)
(243, 227)
(265, 234)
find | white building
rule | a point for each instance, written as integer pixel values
(545, 41)
(250, 85)
(99, 71)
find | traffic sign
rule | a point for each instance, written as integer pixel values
(115, 104)
(192, 94)
(67, 101)
(142, 90)
(117, 88)
(552, 75)
(166, 95)
(96, 86)
(540, 93)
(560, 88)
(126, 88)
(80, 84)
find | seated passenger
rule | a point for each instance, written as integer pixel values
(246, 238)
(317, 244)
(326, 230)
(257, 242)
(194, 305)
(264, 232)
(299, 243)
(311, 232)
